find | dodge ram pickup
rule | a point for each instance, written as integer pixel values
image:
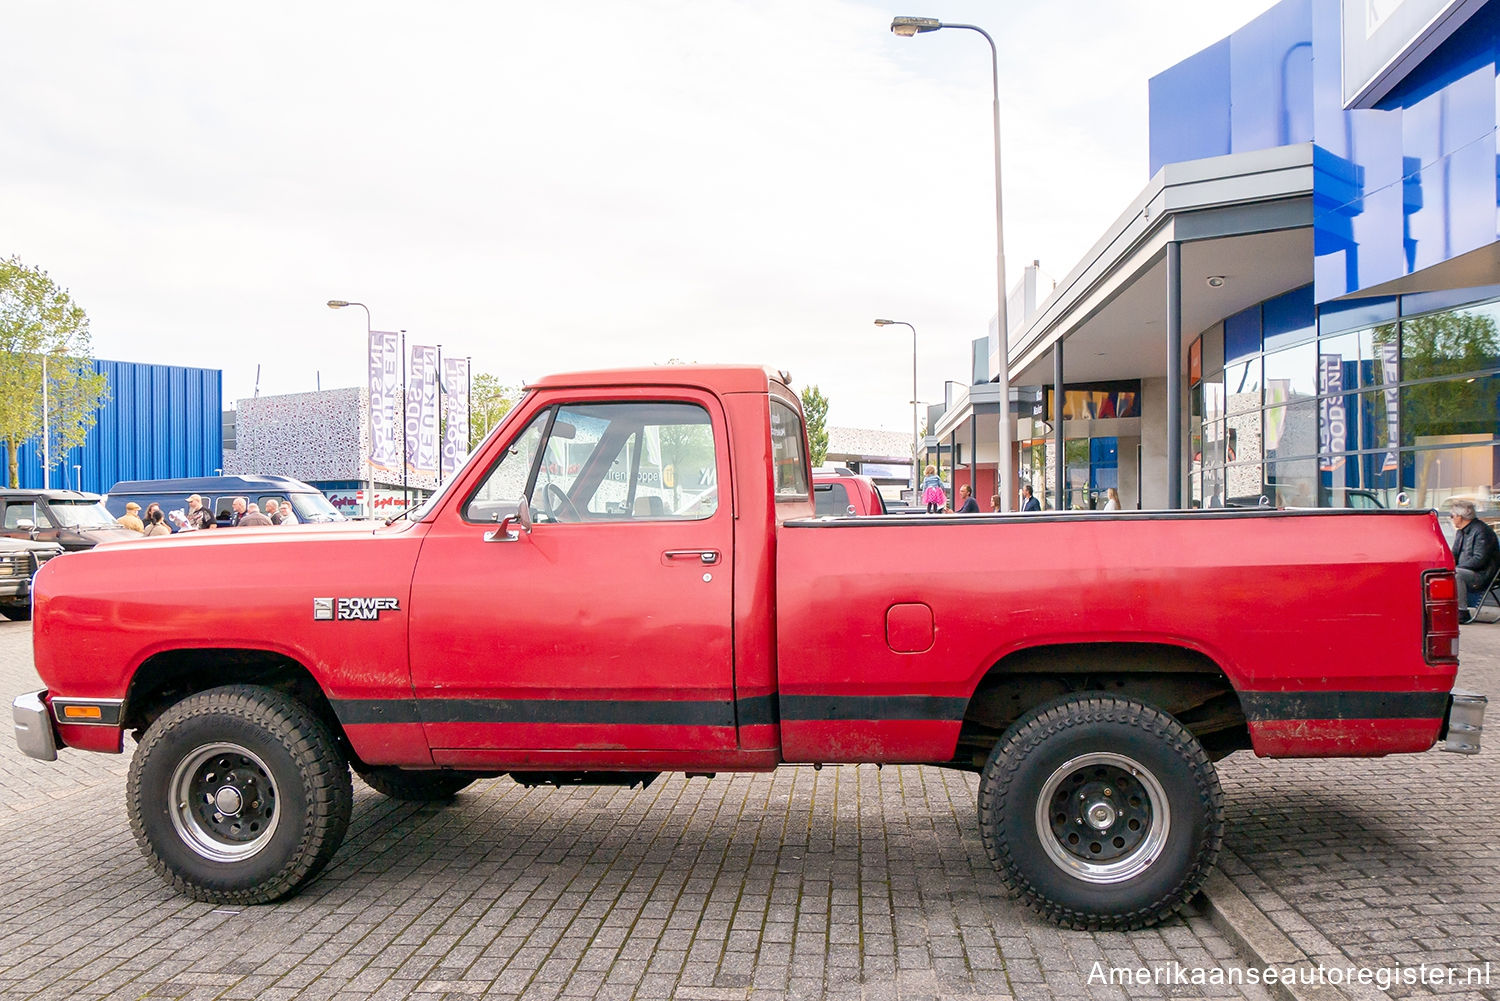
(627, 578)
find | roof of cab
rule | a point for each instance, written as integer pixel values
(718, 378)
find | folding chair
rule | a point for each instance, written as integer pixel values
(1490, 589)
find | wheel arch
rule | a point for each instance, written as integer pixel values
(169, 676)
(1180, 680)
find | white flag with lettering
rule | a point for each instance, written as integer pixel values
(385, 399)
(422, 411)
(456, 403)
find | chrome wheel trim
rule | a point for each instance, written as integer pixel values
(1155, 812)
(224, 803)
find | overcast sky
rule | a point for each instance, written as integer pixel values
(554, 186)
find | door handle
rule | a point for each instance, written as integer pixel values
(706, 557)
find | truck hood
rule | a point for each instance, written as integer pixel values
(215, 538)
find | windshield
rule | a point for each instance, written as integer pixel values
(85, 514)
(314, 508)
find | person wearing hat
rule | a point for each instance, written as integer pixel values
(198, 516)
(130, 519)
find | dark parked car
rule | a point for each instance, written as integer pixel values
(72, 519)
(19, 561)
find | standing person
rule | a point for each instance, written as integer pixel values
(273, 510)
(967, 503)
(995, 503)
(156, 522)
(238, 506)
(933, 494)
(1112, 500)
(130, 519)
(1475, 550)
(250, 517)
(1028, 502)
(198, 516)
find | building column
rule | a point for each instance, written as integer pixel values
(974, 454)
(1174, 375)
(1059, 461)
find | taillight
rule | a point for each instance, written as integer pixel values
(1440, 616)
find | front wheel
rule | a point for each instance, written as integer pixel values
(239, 795)
(1101, 812)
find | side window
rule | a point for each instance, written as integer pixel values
(633, 461)
(500, 494)
(786, 453)
(830, 498)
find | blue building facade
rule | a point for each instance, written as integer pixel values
(157, 421)
(1377, 382)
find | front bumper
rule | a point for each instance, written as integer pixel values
(34, 733)
(1464, 722)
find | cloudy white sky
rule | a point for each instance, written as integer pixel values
(552, 186)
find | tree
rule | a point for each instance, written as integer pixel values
(489, 400)
(815, 413)
(43, 330)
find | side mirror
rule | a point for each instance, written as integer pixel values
(505, 533)
(26, 525)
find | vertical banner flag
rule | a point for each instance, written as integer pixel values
(385, 396)
(456, 400)
(1390, 357)
(1333, 417)
(422, 411)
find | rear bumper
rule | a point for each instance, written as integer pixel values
(34, 733)
(1464, 722)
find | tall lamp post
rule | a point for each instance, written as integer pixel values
(369, 403)
(916, 444)
(906, 27)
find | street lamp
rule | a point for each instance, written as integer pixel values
(916, 445)
(906, 27)
(369, 403)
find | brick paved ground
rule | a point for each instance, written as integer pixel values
(1381, 861)
(844, 883)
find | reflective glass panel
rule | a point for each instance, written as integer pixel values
(1438, 413)
(1465, 340)
(1292, 429)
(1291, 374)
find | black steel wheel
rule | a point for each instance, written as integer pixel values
(420, 787)
(1101, 812)
(239, 795)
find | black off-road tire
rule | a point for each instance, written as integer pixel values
(274, 770)
(415, 786)
(15, 613)
(1149, 861)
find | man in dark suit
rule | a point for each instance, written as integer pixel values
(1028, 502)
(1475, 552)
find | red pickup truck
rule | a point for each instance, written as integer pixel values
(627, 578)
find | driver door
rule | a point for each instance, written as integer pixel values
(606, 629)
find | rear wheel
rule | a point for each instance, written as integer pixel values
(239, 795)
(1101, 812)
(422, 787)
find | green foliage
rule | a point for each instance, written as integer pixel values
(815, 414)
(490, 400)
(39, 320)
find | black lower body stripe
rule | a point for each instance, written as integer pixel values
(758, 710)
(1262, 707)
(810, 708)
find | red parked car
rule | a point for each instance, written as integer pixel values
(845, 494)
(628, 578)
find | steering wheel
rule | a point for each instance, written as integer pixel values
(558, 503)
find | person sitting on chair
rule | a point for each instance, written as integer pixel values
(1475, 553)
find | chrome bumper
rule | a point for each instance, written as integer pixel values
(1464, 723)
(34, 733)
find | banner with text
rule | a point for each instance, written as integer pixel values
(1390, 357)
(456, 405)
(422, 411)
(385, 399)
(1333, 428)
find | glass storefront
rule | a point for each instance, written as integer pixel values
(1389, 402)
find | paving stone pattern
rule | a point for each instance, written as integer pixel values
(841, 883)
(1383, 861)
